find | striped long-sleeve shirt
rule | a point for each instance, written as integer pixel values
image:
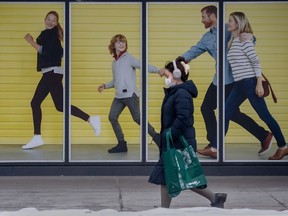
(244, 60)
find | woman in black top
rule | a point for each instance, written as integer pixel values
(49, 57)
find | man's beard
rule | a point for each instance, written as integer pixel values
(208, 24)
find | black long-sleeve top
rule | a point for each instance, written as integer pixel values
(52, 50)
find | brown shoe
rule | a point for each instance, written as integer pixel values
(280, 153)
(208, 152)
(266, 144)
(208, 146)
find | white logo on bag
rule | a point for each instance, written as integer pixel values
(194, 183)
(186, 157)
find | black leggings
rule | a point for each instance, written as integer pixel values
(51, 83)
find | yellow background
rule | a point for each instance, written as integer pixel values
(269, 24)
(172, 29)
(18, 75)
(92, 27)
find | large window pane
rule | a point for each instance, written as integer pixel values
(172, 29)
(18, 82)
(268, 22)
(92, 27)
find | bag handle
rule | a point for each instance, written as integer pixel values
(269, 85)
(169, 137)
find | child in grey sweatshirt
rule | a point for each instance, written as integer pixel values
(124, 68)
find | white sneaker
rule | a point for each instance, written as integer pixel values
(34, 142)
(95, 123)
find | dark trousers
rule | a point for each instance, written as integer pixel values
(117, 106)
(208, 108)
(51, 83)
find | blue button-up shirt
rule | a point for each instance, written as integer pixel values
(208, 43)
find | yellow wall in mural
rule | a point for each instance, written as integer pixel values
(92, 27)
(175, 27)
(18, 75)
(172, 29)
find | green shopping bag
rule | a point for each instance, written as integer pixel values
(181, 166)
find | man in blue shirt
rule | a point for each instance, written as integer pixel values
(208, 43)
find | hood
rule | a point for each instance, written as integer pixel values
(188, 85)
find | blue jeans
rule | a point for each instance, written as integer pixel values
(246, 89)
(208, 108)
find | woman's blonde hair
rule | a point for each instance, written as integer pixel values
(114, 39)
(60, 29)
(243, 24)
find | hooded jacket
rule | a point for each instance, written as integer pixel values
(177, 113)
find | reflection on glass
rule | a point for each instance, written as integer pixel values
(94, 47)
(255, 141)
(20, 82)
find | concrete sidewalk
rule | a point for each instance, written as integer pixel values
(134, 193)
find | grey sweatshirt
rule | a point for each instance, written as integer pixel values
(124, 76)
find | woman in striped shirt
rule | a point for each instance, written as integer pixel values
(247, 75)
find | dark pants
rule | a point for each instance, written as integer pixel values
(208, 108)
(51, 83)
(118, 105)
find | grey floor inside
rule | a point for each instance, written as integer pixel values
(94, 153)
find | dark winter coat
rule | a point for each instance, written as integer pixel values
(177, 113)
(52, 51)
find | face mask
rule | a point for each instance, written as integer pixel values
(169, 83)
